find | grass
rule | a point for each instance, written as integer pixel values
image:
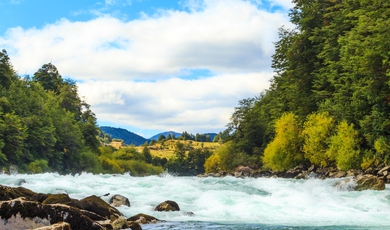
(167, 148)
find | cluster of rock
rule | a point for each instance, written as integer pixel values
(372, 178)
(21, 208)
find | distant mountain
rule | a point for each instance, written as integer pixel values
(127, 136)
(155, 137)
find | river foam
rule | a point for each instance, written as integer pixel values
(221, 203)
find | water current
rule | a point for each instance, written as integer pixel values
(227, 203)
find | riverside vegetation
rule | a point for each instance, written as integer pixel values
(328, 106)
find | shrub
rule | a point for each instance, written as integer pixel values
(284, 151)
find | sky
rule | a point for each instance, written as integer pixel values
(150, 66)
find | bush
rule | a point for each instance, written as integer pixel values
(317, 131)
(344, 147)
(38, 166)
(284, 151)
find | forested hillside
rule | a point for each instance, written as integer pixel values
(328, 103)
(44, 125)
(128, 137)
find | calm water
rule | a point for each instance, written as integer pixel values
(227, 203)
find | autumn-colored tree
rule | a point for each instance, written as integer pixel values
(317, 130)
(344, 147)
(284, 151)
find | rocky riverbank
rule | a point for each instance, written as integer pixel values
(21, 208)
(372, 178)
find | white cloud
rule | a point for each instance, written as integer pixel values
(192, 105)
(117, 59)
(228, 35)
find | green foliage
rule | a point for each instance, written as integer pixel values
(284, 151)
(38, 166)
(317, 131)
(161, 138)
(147, 155)
(187, 160)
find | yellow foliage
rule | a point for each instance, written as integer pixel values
(212, 163)
(284, 151)
(317, 131)
(110, 165)
(344, 146)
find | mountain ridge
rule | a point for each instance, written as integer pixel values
(132, 138)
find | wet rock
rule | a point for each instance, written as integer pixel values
(118, 200)
(43, 213)
(119, 223)
(143, 219)
(346, 185)
(57, 226)
(189, 214)
(238, 175)
(302, 175)
(291, 173)
(57, 199)
(384, 171)
(97, 205)
(9, 193)
(369, 182)
(244, 170)
(20, 182)
(312, 168)
(167, 205)
(337, 174)
(353, 173)
(134, 225)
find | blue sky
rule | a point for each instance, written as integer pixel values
(150, 65)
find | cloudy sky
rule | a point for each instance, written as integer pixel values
(150, 65)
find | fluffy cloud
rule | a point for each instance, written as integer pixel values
(130, 70)
(197, 105)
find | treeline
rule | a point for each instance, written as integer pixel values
(328, 103)
(187, 136)
(46, 127)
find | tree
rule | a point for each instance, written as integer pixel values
(318, 129)
(7, 73)
(284, 151)
(161, 138)
(344, 147)
(49, 77)
(147, 154)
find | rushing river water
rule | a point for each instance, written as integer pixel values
(227, 203)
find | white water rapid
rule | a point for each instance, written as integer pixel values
(227, 203)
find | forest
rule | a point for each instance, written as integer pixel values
(328, 103)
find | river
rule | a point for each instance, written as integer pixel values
(227, 203)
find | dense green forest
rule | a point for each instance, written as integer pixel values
(328, 103)
(43, 122)
(46, 127)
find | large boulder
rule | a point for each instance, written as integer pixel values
(57, 199)
(143, 219)
(167, 205)
(10, 193)
(118, 200)
(369, 182)
(119, 223)
(243, 171)
(45, 214)
(99, 206)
